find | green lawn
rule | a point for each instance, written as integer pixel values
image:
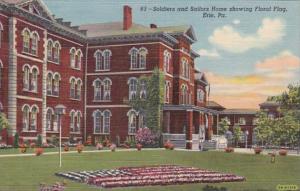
(25, 173)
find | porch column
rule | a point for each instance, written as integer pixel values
(189, 129)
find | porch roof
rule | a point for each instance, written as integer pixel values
(167, 107)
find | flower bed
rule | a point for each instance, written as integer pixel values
(148, 176)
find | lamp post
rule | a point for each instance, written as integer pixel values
(246, 136)
(60, 110)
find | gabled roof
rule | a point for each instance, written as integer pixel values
(214, 105)
(116, 29)
(200, 76)
(40, 8)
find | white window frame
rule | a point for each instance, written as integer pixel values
(107, 83)
(97, 115)
(97, 83)
(132, 87)
(34, 43)
(167, 91)
(98, 61)
(26, 40)
(167, 60)
(106, 115)
(106, 59)
(132, 121)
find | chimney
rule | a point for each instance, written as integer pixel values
(127, 18)
(153, 26)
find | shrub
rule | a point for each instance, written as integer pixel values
(23, 148)
(146, 137)
(282, 152)
(99, 146)
(39, 141)
(66, 148)
(89, 141)
(106, 142)
(112, 147)
(16, 140)
(139, 147)
(169, 145)
(229, 150)
(79, 148)
(130, 142)
(257, 150)
(39, 151)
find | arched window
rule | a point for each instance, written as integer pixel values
(134, 58)
(106, 121)
(72, 57)
(56, 85)
(143, 89)
(106, 56)
(97, 122)
(106, 89)
(184, 94)
(26, 111)
(142, 120)
(99, 62)
(49, 49)
(33, 118)
(167, 91)
(78, 89)
(97, 89)
(72, 87)
(34, 43)
(56, 55)
(78, 122)
(49, 119)
(49, 83)
(132, 121)
(26, 40)
(167, 59)
(132, 82)
(143, 57)
(1, 33)
(26, 76)
(185, 68)
(78, 59)
(72, 121)
(34, 79)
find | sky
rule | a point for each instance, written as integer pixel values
(246, 55)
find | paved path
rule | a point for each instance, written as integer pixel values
(69, 152)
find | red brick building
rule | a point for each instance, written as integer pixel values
(91, 70)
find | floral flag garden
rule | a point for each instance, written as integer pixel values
(149, 176)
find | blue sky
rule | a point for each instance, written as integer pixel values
(244, 70)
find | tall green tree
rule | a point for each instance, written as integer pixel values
(264, 128)
(223, 126)
(237, 133)
(152, 104)
(3, 121)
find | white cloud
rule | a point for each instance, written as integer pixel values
(231, 40)
(209, 53)
(236, 21)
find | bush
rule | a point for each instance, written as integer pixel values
(112, 147)
(79, 148)
(16, 140)
(257, 150)
(146, 137)
(39, 141)
(282, 152)
(229, 150)
(130, 142)
(39, 151)
(99, 146)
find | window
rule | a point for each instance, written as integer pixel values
(34, 79)
(167, 59)
(72, 57)
(49, 83)
(134, 61)
(56, 56)
(97, 89)
(184, 94)
(34, 43)
(200, 95)
(106, 121)
(185, 68)
(56, 84)
(106, 89)
(78, 89)
(1, 33)
(143, 89)
(132, 88)
(72, 88)
(26, 111)
(143, 56)
(242, 121)
(33, 118)
(167, 91)
(97, 122)
(49, 49)
(78, 122)
(49, 119)
(106, 56)
(78, 59)
(98, 58)
(142, 120)
(132, 121)
(72, 121)
(26, 40)
(26, 75)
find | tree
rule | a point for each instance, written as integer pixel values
(264, 128)
(3, 121)
(237, 133)
(223, 126)
(152, 104)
